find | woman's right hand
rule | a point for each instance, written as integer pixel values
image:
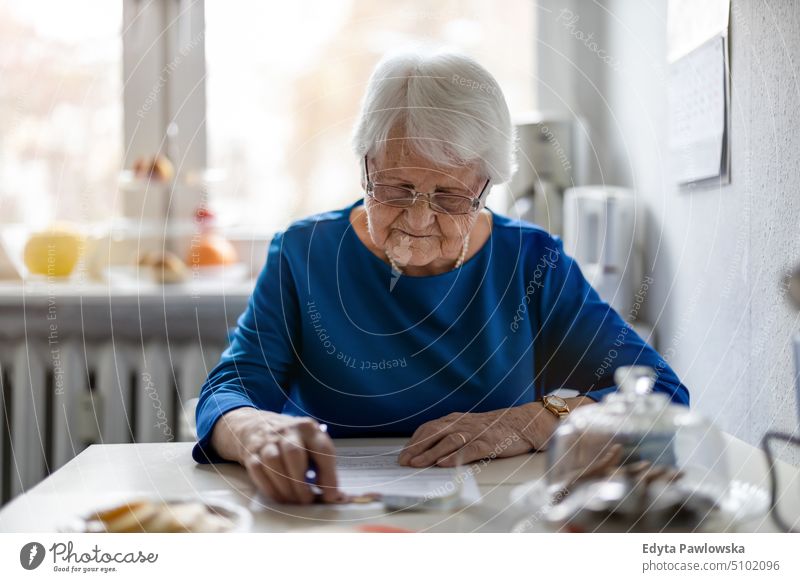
(276, 450)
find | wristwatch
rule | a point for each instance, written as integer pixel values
(556, 405)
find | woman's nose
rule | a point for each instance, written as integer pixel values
(420, 215)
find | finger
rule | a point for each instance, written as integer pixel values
(272, 467)
(472, 451)
(255, 469)
(417, 443)
(638, 467)
(295, 459)
(323, 452)
(423, 438)
(444, 447)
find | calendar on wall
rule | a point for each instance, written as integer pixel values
(699, 110)
(698, 83)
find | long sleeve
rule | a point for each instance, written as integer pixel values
(582, 340)
(256, 368)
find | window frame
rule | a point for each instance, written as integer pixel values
(164, 51)
(164, 93)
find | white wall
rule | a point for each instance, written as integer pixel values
(717, 256)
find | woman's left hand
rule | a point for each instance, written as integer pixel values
(466, 437)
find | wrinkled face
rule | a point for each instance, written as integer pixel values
(417, 236)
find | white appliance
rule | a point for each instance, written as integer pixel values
(552, 154)
(599, 227)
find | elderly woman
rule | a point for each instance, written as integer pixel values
(416, 311)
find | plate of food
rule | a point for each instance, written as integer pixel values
(155, 515)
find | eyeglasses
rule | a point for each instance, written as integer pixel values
(402, 197)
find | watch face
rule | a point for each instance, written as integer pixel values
(556, 401)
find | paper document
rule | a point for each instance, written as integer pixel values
(698, 100)
(374, 469)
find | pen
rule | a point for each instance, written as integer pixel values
(311, 472)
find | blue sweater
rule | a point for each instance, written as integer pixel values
(329, 333)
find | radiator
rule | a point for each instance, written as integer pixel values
(58, 398)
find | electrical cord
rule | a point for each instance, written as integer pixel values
(773, 475)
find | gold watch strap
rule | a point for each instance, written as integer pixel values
(560, 413)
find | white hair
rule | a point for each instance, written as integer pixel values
(449, 106)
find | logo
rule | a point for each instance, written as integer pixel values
(31, 555)
(396, 273)
(399, 257)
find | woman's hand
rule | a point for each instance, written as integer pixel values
(466, 437)
(276, 450)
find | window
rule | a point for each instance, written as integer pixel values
(60, 110)
(267, 93)
(285, 81)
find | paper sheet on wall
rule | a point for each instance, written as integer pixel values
(691, 23)
(698, 102)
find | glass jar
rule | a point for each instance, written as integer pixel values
(632, 457)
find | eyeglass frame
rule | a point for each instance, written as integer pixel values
(414, 194)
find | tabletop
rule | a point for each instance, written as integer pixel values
(104, 474)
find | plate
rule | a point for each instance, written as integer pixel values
(241, 519)
(136, 276)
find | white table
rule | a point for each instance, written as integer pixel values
(107, 473)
